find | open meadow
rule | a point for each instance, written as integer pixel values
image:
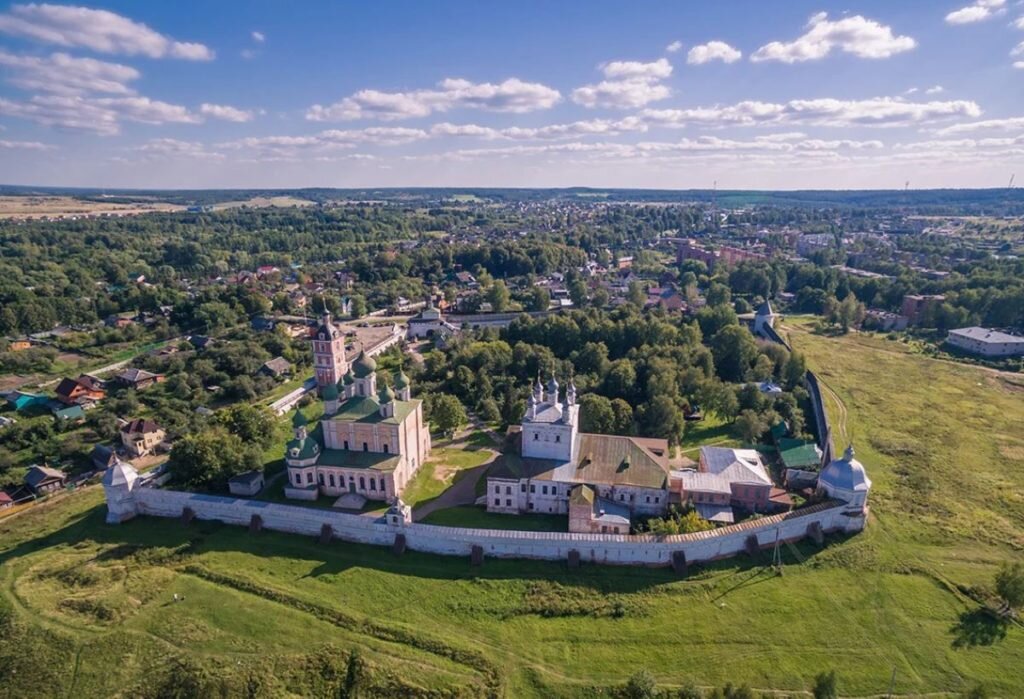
(92, 606)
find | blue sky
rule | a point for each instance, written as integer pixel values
(770, 94)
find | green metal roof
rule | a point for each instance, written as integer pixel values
(299, 420)
(363, 409)
(347, 458)
(364, 366)
(799, 454)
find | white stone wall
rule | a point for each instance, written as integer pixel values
(548, 440)
(599, 548)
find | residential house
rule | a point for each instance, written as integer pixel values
(43, 480)
(141, 436)
(6, 500)
(86, 390)
(22, 401)
(276, 367)
(139, 379)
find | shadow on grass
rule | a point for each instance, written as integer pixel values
(979, 627)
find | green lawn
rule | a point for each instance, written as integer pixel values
(478, 517)
(711, 431)
(446, 465)
(274, 614)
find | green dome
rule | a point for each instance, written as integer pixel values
(348, 378)
(401, 380)
(385, 395)
(364, 366)
(299, 420)
(330, 392)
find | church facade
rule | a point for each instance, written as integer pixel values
(553, 468)
(371, 439)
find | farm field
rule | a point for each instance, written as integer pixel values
(44, 206)
(273, 614)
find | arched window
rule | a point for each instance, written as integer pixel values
(385, 448)
(373, 484)
(558, 438)
(330, 479)
(362, 483)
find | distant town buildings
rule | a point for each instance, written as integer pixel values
(915, 306)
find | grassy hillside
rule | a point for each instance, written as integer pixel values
(274, 614)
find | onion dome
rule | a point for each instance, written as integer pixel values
(330, 392)
(364, 366)
(349, 378)
(401, 380)
(299, 420)
(845, 474)
(385, 395)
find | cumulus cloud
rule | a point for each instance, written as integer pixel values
(674, 46)
(713, 51)
(934, 90)
(159, 148)
(877, 111)
(259, 37)
(977, 12)
(97, 30)
(101, 115)
(857, 35)
(628, 84)
(226, 113)
(512, 95)
(67, 75)
(332, 140)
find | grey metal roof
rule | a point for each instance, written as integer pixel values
(715, 513)
(986, 335)
(737, 465)
(845, 474)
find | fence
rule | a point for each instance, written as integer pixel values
(649, 550)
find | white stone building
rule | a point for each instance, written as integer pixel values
(985, 342)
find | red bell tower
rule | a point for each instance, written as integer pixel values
(328, 353)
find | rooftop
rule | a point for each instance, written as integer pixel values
(986, 335)
(347, 458)
(367, 409)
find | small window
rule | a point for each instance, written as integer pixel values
(497, 490)
(330, 479)
(320, 478)
(373, 484)
(362, 483)
(508, 490)
(497, 502)
(656, 499)
(558, 438)
(385, 448)
(648, 498)
(533, 488)
(346, 444)
(536, 436)
(531, 505)
(309, 476)
(522, 487)
(544, 490)
(508, 503)
(366, 447)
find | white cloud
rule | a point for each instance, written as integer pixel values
(590, 127)
(674, 46)
(226, 113)
(1007, 124)
(629, 84)
(857, 35)
(1019, 65)
(877, 111)
(98, 115)
(1018, 49)
(1019, 23)
(980, 10)
(25, 145)
(174, 148)
(934, 90)
(67, 75)
(713, 51)
(512, 95)
(98, 30)
(636, 70)
(259, 37)
(324, 142)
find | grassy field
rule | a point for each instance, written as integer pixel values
(274, 614)
(477, 517)
(446, 465)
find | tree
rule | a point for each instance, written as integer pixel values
(640, 685)
(623, 417)
(662, 418)
(208, 459)
(488, 410)
(578, 293)
(734, 351)
(636, 295)
(253, 424)
(749, 426)
(358, 306)
(825, 686)
(596, 414)
(1010, 585)
(539, 298)
(447, 414)
(498, 296)
(794, 370)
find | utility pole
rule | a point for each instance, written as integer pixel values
(892, 684)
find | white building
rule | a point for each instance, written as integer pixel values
(845, 479)
(986, 343)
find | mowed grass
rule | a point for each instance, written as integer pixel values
(477, 517)
(445, 466)
(942, 443)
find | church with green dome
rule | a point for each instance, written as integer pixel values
(370, 441)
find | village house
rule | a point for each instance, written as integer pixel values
(43, 480)
(141, 436)
(276, 367)
(548, 457)
(139, 379)
(6, 500)
(86, 391)
(370, 441)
